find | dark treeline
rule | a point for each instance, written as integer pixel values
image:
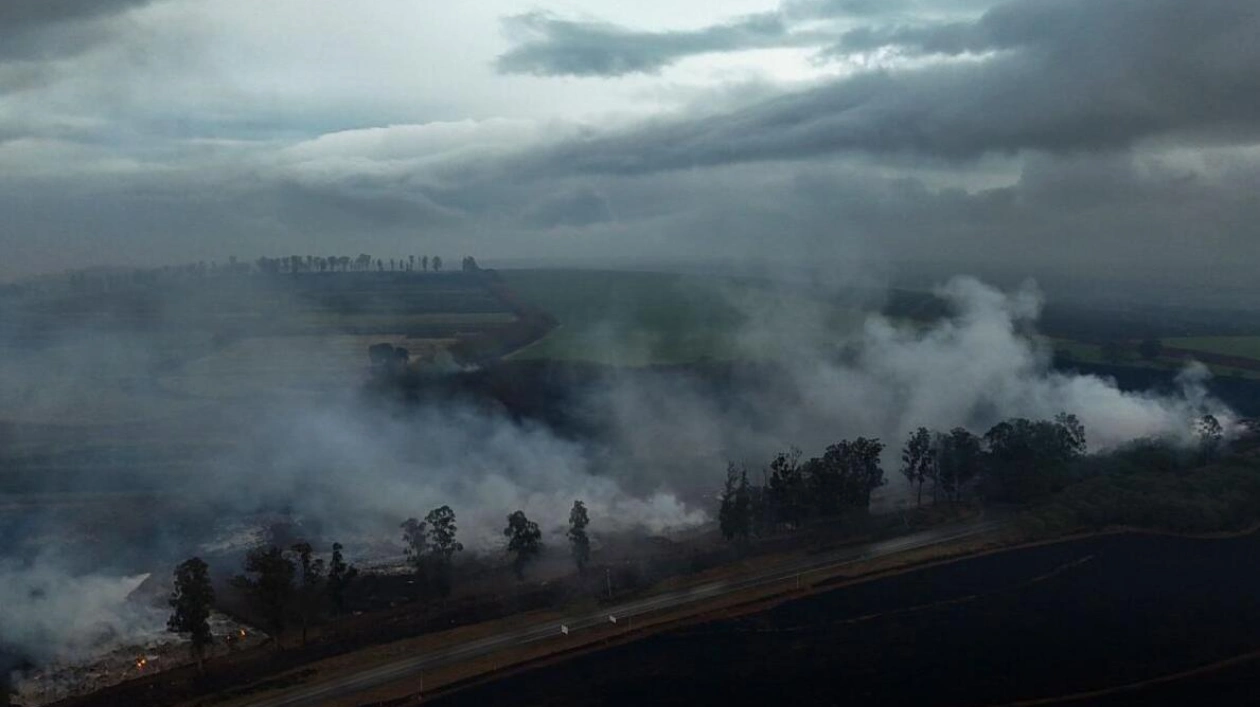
(1018, 461)
(94, 279)
(284, 587)
(794, 492)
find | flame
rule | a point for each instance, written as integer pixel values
(242, 633)
(141, 662)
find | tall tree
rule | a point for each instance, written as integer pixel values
(735, 511)
(579, 543)
(787, 490)
(270, 588)
(442, 548)
(917, 460)
(416, 547)
(310, 585)
(959, 456)
(340, 577)
(1208, 430)
(424, 263)
(524, 541)
(191, 601)
(1027, 459)
(437, 263)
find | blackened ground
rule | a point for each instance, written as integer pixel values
(1030, 623)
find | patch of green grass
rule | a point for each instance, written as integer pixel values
(627, 318)
(1242, 346)
(643, 318)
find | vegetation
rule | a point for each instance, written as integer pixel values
(341, 577)
(524, 541)
(837, 483)
(735, 515)
(645, 318)
(579, 543)
(430, 547)
(442, 548)
(191, 600)
(310, 586)
(270, 588)
(1154, 484)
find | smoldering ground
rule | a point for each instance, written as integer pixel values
(346, 466)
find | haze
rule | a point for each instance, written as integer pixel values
(919, 136)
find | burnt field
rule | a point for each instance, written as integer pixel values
(1032, 623)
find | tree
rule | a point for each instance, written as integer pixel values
(524, 540)
(918, 461)
(416, 546)
(340, 577)
(579, 543)
(442, 548)
(786, 490)
(271, 589)
(191, 600)
(1209, 431)
(735, 511)
(437, 263)
(958, 458)
(845, 475)
(310, 587)
(1150, 349)
(1027, 459)
(424, 263)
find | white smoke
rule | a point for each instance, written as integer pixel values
(353, 470)
(51, 613)
(884, 378)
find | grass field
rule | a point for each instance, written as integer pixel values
(1242, 346)
(154, 351)
(1246, 348)
(644, 318)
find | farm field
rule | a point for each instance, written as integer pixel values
(1027, 624)
(646, 318)
(1241, 346)
(128, 387)
(1225, 356)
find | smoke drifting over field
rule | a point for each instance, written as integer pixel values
(350, 468)
(884, 379)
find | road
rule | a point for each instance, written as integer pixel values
(410, 667)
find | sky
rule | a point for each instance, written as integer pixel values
(1109, 138)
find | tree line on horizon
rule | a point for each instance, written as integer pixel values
(86, 279)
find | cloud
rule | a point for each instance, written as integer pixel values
(42, 29)
(549, 45)
(1058, 76)
(552, 46)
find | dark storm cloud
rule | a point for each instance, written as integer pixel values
(1071, 75)
(42, 29)
(560, 47)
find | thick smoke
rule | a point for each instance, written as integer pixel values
(881, 378)
(50, 613)
(343, 467)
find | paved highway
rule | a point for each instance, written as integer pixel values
(410, 667)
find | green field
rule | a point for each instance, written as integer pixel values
(1125, 353)
(1243, 346)
(644, 318)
